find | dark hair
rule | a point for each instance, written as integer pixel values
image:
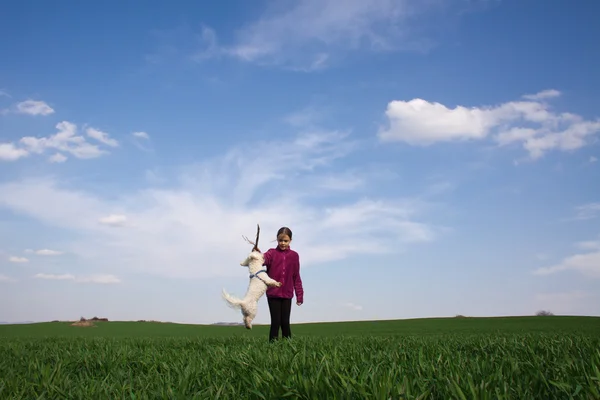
(286, 231)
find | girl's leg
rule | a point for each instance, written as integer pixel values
(286, 309)
(275, 310)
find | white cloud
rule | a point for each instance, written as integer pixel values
(4, 93)
(544, 94)
(34, 107)
(531, 123)
(311, 34)
(114, 220)
(593, 159)
(100, 279)
(589, 245)
(193, 228)
(587, 211)
(62, 277)
(102, 137)
(9, 152)
(154, 177)
(6, 279)
(57, 158)
(342, 182)
(141, 135)
(103, 279)
(420, 122)
(141, 140)
(587, 264)
(48, 252)
(306, 117)
(66, 140)
(15, 259)
(353, 306)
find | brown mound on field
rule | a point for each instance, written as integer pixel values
(83, 323)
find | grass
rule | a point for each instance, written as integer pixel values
(468, 358)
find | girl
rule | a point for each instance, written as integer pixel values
(283, 265)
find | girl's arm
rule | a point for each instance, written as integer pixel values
(298, 283)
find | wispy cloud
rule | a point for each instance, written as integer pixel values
(193, 227)
(544, 94)
(101, 137)
(587, 211)
(306, 117)
(55, 277)
(141, 135)
(6, 279)
(141, 140)
(114, 220)
(308, 35)
(44, 252)
(16, 259)
(353, 306)
(99, 279)
(209, 45)
(342, 182)
(589, 245)
(531, 123)
(587, 264)
(57, 158)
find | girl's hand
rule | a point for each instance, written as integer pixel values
(298, 303)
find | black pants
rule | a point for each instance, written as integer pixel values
(280, 317)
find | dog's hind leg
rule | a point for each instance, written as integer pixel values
(250, 311)
(248, 316)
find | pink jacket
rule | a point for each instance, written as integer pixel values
(284, 267)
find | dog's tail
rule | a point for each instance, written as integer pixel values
(232, 301)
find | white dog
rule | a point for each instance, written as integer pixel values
(259, 281)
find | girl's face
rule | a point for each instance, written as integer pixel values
(283, 241)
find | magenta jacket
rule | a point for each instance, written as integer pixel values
(284, 267)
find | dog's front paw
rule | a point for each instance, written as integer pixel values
(277, 284)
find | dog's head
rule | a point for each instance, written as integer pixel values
(253, 257)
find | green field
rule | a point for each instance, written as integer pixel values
(469, 358)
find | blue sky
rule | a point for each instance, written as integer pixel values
(432, 158)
